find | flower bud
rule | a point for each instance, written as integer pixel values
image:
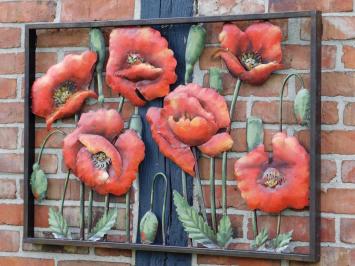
(148, 228)
(97, 44)
(39, 183)
(302, 107)
(216, 79)
(194, 47)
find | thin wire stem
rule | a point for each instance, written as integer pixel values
(45, 142)
(91, 199)
(199, 186)
(64, 192)
(120, 104)
(183, 184)
(278, 224)
(127, 218)
(107, 203)
(255, 223)
(212, 194)
(82, 210)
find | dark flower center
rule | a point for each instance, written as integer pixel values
(63, 92)
(134, 58)
(250, 60)
(101, 160)
(272, 178)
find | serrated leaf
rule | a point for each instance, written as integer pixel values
(39, 183)
(103, 225)
(194, 225)
(225, 232)
(260, 239)
(255, 132)
(282, 241)
(58, 225)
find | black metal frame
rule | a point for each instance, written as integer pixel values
(314, 208)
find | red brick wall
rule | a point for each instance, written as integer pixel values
(338, 122)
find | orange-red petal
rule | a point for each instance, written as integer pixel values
(71, 106)
(233, 39)
(220, 142)
(169, 145)
(232, 62)
(74, 68)
(106, 123)
(142, 71)
(259, 74)
(149, 44)
(131, 149)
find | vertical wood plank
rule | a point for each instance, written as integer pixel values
(155, 161)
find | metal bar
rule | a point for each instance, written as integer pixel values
(173, 249)
(29, 131)
(174, 20)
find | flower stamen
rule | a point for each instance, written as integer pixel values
(250, 60)
(63, 92)
(272, 178)
(101, 160)
(134, 58)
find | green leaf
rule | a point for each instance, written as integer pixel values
(225, 232)
(194, 225)
(255, 132)
(302, 107)
(57, 224)
(39, 183)
(104, 224)
(260, 239)
(282, 241)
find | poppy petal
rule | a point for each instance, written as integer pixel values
(193, 132)
(75, 68)
(96, 144)
(266, 41)
(217, 144)
(87, 172)
(233, 39)
(71, 106)
(232, 62)
(139, 72)
(106, 123)
(169, 145)
(132, 150)
(259, 74)
(153, 49)
(211, 101)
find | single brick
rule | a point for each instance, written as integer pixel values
(322, 5)
(11, 214)
(228, 7)
(338, 141)
(10, 37)
(12, 63)
(348, 171)
(8, 137)
(7, 189)
(349, 114)
(18, 261)
(348, 57)
(7, 88)
(12, 241)
(336, 200)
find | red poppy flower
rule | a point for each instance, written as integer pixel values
(254, 54)
(283, 182)
(64, 88)
(94, 156)
(191, 116)
(140, 66)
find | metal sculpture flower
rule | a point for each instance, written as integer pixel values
(96, 158)
(251, 55)
(64, 88)
(283, 182)
(140, 66)
(191, 116)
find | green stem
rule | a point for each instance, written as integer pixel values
(127, 218)
(82, 210)
(45, 142)
(107, 203)
(282, 93)
(64, 192)
(212, 194)
(278, 224)
(234, 99)
(183, 184)
(99, 87)
(91, 197)
(255, 224)
(120, 104)
(164, 202)
(199, 186)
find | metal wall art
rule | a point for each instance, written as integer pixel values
(104, 154)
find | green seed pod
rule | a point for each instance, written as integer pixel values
(135, 123)
(148, 228)
(255, 132)
(216, 79)
(302, 107)
(194, 47)
(39, 183)
(97, 44)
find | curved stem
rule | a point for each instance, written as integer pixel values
(255, 224)
(127, 218)
(91, 197)
(212, 194)
(164, 201)
(199, 186)
(278, 224)
(45, 142)
(64, 192)
(120, 104)
(82, 210)
(234, 99)
(282, 94)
